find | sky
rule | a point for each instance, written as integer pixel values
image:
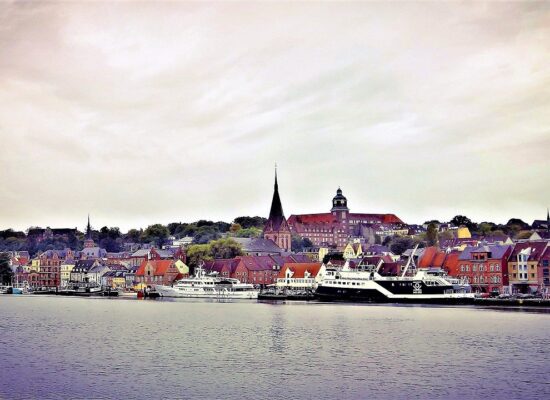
(142, 113)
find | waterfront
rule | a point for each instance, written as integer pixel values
(56, 347)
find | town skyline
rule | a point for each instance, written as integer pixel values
(139, 113)
(98, 225)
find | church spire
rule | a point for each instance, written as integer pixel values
(276, 228)
(88, 229)
(547, 219)
(276, 212)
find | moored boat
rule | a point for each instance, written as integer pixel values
(208, 286)
(422, 286)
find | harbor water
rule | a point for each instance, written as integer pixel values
(87, 348)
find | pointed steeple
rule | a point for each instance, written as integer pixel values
(276, 228)
(88, 229)
(276, 215)
(547, 219)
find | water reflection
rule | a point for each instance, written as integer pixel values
(191, 348)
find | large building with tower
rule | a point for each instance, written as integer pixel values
(333, 229)
(337, 227)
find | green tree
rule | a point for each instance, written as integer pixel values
(446, 235)
(197, 253)
(235, 227)
(431, 235)
(134, 235)
(300, 244)
(6, 274)
(251, 222)
(485, 228)
(156, 233)
(399, 244)
(205, 234)
(225, 248)
(252, 232)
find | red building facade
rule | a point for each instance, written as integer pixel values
(485, 267)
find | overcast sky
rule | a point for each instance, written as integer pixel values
(141, 113)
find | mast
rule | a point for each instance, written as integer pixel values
(409, 261)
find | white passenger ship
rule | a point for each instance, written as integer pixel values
(423, 286)
(207, 286)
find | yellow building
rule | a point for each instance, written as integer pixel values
(463, 233)
(35, 264)
(119, 282)
(65, 274)
(182, 267)
(353, 250)
(523, 265)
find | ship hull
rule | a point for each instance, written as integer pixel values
(372, 295)
(168, 291)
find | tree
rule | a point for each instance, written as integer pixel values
(446, 235)
(433, 221)
(196, 253)
(431, 235)
(248, 233)
(251, 222)
(235, 227)
(516, 221)
(205, 234)
(225, 248)
(485, 228)
(6, 274)
(401, 243)
(156, 233)
(459, 220)
(173, 227)
(300, 244)
(134, 235)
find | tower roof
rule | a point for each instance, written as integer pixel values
(276, 215)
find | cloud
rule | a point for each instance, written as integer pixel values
(141, 112)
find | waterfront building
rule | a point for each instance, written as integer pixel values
(50, 265)
(130, 276)
(276, 228)
(258, 270)
(157, 272)
(65, 272)
(298, 276)
(141, 255)
(335, 228)
(81, 270)
(114, 279)
(485, 267)
(223, 267)
(543, 271)
(523, 266)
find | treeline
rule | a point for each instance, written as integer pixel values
(113, 240)
(515, 227)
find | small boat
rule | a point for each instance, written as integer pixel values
(81, 289)
(5, 289)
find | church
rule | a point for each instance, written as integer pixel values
(276, 228)
(332, 229)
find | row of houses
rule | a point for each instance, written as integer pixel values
(522, 267)
(260, 270)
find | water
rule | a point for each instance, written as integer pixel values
(54, 347)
